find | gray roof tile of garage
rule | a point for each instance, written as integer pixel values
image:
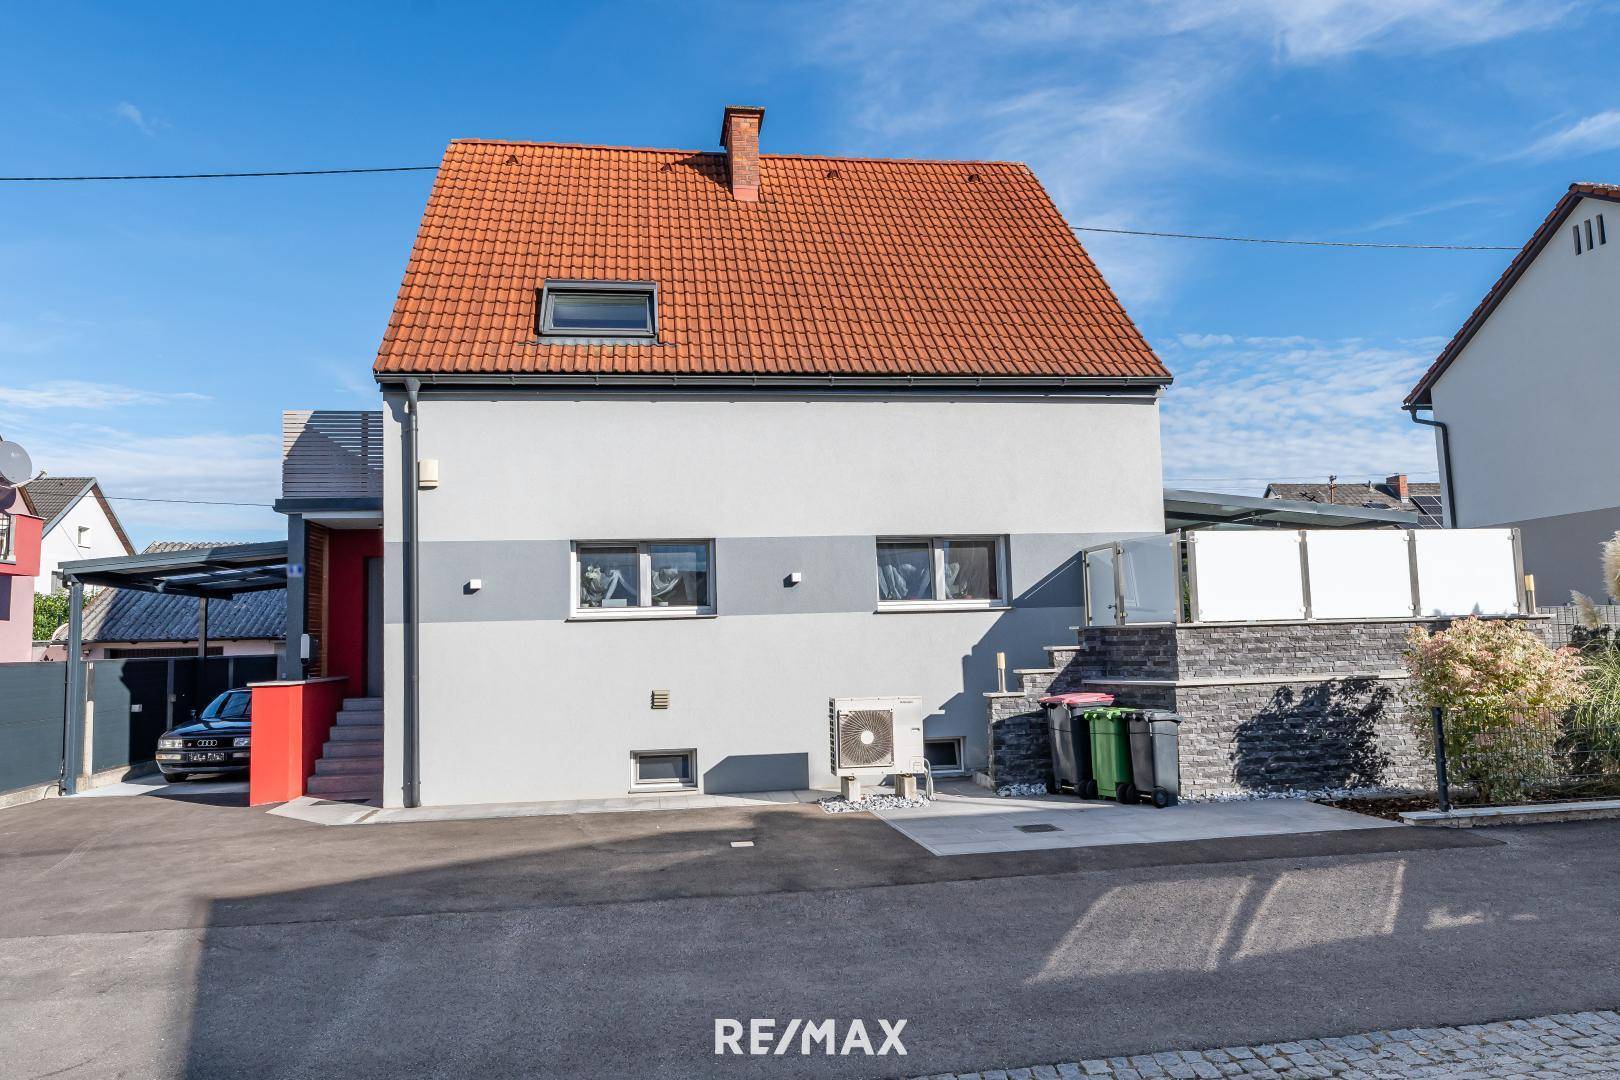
(135, 615)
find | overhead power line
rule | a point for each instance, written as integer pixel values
(222, 175)
(1298, 243)
(186, 502)
(1372, 245)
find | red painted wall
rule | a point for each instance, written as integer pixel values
(346, 603)
(291, 723)
(17, 590)
(25, 543)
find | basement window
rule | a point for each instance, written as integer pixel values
(663, 770)
(944, 756)
(599, 309)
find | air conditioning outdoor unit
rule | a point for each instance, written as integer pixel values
(875, 737)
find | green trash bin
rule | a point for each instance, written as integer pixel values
(1111, 753)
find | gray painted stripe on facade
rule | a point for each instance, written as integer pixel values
(527, 580)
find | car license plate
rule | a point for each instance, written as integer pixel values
(211, 755)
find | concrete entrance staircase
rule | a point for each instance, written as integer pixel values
(351, 766)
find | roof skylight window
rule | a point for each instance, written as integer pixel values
(599, 309)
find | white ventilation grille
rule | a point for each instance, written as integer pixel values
(865, 738)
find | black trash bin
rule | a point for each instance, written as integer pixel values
(1156, 755)
(1071, 741)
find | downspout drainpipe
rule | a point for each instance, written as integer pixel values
(73, 716)
(411, 561)
(1445, 459)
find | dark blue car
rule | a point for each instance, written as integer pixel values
(216, 741)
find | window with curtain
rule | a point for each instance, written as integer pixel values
(935, 570)
(669, 577)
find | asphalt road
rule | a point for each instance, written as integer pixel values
(150, 937)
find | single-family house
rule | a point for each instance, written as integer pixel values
(79, 524)
(1523, 397)
(680, 447)
(1393, 493)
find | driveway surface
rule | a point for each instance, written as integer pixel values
(967, 819)
(159, 936)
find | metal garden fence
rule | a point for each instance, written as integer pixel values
(1489, 760)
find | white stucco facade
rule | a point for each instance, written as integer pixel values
(522, 700)
(83, 532)
(1531, 402)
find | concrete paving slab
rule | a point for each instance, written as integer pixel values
(629, 803)
(154, 784)
(965, 819)
(321, 812)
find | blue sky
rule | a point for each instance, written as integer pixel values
(150, 333)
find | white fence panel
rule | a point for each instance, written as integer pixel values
(1360, 574)
(1151, 569)
(1248, 576)
(1100, 587)
(1467, 572)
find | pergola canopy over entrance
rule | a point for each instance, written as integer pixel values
(217, 573)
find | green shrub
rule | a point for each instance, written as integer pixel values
(1504, 693)
(50, 612)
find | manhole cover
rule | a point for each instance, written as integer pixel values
(1036, 828)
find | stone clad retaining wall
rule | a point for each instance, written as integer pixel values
(1266, 706)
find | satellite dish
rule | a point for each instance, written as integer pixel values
(15, 465)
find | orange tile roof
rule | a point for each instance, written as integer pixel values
(1419, 397)
(843, 267)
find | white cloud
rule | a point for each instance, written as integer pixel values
(73, 394)
(125, 111)
(209, 467)
(1205, 341)
(1309, 31)
(1293, 407)
(1106, 100)
(1588, 135)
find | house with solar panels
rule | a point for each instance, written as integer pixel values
(1392, 493)
(682, 449)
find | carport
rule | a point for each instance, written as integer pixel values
(207, 573)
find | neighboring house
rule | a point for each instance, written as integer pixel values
(19, 562)
(121, 624)
(705, 440)
(1394, 493)
(1526, 393)
(79, 524)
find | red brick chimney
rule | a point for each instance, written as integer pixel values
(739, 134)
(1397, 484)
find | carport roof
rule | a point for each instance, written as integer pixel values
(210, 570)
(1200, 509)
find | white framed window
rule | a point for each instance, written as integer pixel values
(941, 573)
(643, 578)
(663, 770)
(944, 755)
